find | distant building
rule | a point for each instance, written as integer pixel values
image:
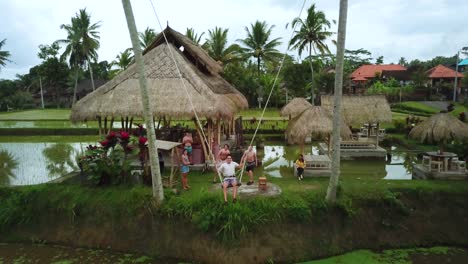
(363, 74)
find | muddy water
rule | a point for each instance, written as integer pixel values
(38, 253)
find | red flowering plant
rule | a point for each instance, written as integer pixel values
(109, 162)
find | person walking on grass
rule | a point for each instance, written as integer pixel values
(300, 164)
(251, 160)
(185, 169)
(228, 171)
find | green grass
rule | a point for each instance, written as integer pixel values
(55, 139)
(257, 113)
(420, 106)
(39, 114)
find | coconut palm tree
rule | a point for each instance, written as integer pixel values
(258, 43)
(194, 37)
(146, 37)
(158, 192)
(216, 46)
(82, 43)
(124, 59)
(335, 173)
(4, 55)
(311, 35)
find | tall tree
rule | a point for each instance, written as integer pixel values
(124, 59)
(379, 60)
(82, 43)
(194, 37)
(158, 192)
(258, 44)
(335, 175)
(4, 55)
(146, 37)
(403, 62)
(216, 46)
(312, 34)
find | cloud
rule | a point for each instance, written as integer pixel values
(417, 29)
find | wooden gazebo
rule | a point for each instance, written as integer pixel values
(212, 97)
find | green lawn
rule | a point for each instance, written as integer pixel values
(421, 106)
(38, 114)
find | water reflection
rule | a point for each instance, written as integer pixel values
(278, 161)
(59, 159)
(7, 164)
(41, 162)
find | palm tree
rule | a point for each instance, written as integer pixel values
(124, 59)
(194, 37)
(335, 175)
(158, 192)
(312, 34)
(146, 37)
(82, 43)
(258, 43)
(216, 44)
(4, 55)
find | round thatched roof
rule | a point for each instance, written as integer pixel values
(313, 121)
(361, 109)
(439, 128)
(295, 107)
(211, 95)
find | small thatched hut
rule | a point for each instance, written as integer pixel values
(361, 109)
(295, 107)
(314, 121)
(440, 128)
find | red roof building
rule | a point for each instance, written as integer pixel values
(441, 72)
(369, 71)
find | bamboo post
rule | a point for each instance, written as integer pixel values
(122, 123)
(329, 145)
(105, 126)
(126, 123)
(200, 135)
(130, 125)
(111, 123)
(171, 178)
(219, 131)
(377, 137)
(100, 125)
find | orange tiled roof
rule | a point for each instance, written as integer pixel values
(441, 71)
(368, 71)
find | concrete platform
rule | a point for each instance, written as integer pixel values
(249, 190)
(421, 172)
(350, 153)
(314, 172)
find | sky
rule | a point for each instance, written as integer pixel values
(414, 29)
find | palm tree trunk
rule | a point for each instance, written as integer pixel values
(158, 193)
(312, 95)
(258, 66)
(76, 85)
(91, 74)
(335, 175)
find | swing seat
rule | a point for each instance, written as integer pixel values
(230, 185)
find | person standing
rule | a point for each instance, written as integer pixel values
(300, 164)
(251, 160)
(221, 158)
(185, 169)
(187, 141)
(228, 171)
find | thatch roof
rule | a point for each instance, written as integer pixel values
(361, 109)
(211, 95)
(313, 121)
(439, 128)
(295, 107)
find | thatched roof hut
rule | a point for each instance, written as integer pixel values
(361, 109)
(313, 121)
(211, 95)
(440, 127)
(295, 107)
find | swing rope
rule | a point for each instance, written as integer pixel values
(210, 152)
(272, 87)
